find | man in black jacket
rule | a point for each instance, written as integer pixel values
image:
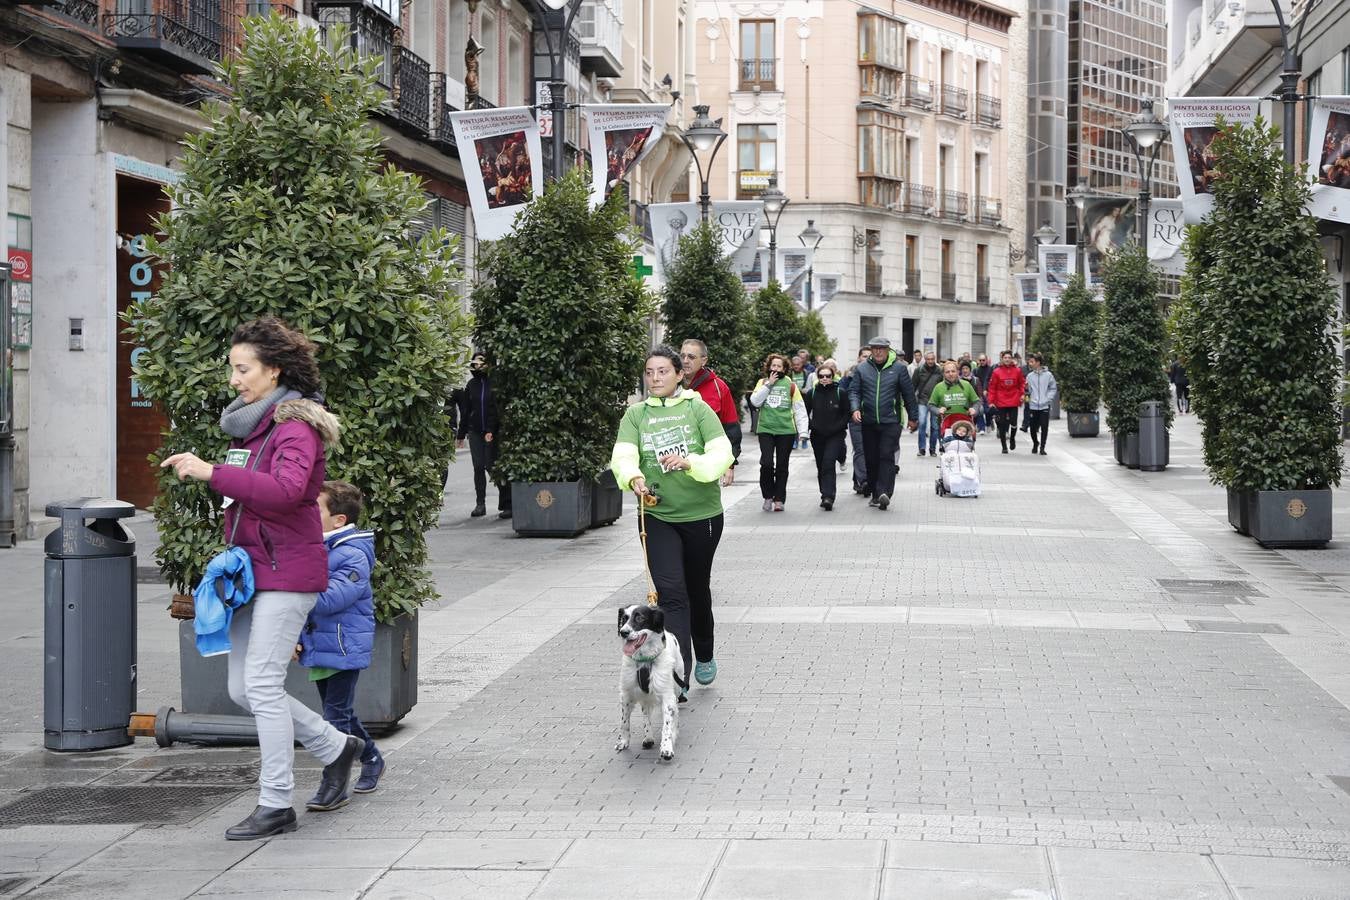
(878, 388)
(925, 378)
(479, 423)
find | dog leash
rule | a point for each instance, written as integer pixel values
(643, 502)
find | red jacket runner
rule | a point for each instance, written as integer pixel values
(1007, 385)
(716, 394)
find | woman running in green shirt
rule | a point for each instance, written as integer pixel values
(672, 445)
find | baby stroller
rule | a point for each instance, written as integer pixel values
(959, 466)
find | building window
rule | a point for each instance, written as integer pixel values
(456, 37)
(515, 71)
(913, 274)
(757, 158)
(868, 328)
(872, 263)
(757, 55)
(948, 270)
(946, 337)
(489, 61)
(881, 42)
(880, 157)
(979, 339)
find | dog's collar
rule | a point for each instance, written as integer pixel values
(644, 673)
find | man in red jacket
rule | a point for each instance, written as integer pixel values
(1007, 386)
(714, 391)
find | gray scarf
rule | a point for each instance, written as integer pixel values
(240, 418)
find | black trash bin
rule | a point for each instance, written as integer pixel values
(1153, 437)
(89, 673)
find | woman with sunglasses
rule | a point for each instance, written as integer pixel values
(830, 410)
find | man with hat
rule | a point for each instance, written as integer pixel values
(879, 386)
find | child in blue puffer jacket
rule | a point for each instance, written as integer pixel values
(337, 640)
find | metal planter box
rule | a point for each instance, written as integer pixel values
(551, 508)
(1084, 424)
(384, 695)
(1239, 503)
(606, 501)
(1290, 519)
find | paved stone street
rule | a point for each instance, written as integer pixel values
(1081, 685)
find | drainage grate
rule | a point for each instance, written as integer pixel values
(1208, 586)
(1235, 627)
(114, 805)
(1209, 600)
(11, 885)
(225, 775)
(1341, 781)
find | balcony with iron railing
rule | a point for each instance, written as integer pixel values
(955, 101)
(267, 7)
(370, 32)
(913, 283)
(759, 74)
(982, 289)
(872, 274)
(188, 36)
(442, 132)
(412, 91)
(918, 92)
(601, 35)
(955, 206)
(916, 199)
(988, 110)
(948, 285)
(86, 12)
(880, 192)
(988, 211)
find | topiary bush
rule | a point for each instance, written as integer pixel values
(1043, 339)
(1077, 332)
(1186, 325)
(705, 300)
(1133, 340)
(565, 322)
(286, 207)
(780, 327)
(1262, 323)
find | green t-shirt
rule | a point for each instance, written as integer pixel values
(319, 673)
(682, 425)
(776, 416)
(957, 398)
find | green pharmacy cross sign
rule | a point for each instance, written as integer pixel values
(640, 270)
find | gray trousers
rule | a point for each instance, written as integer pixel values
(263, 635)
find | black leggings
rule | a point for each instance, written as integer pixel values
(681, 556)
(1038, 423)
(1006, 419)
(774, 452)
(829, 451)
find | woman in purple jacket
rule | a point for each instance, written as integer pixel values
(270, 481)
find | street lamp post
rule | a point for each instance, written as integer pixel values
(557, 26)
(1079, 197)
(1146, 135)
(810, 237)
(1045, 236)
(702, 136)
(775, 201)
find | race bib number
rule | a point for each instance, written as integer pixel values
(237, 458)
(774, 401)
(670, 440)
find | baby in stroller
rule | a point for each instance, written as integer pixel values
(959, 467)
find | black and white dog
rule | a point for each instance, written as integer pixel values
(650, 675)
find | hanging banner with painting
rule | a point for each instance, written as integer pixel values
(1058, 263)
(509, 164)
(737, 219)
(621, 135)
(1195, 124)
(1028, 290)
(1329, 158)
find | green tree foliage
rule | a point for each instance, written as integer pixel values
(1133, 340)
(705, 300)
(1184, 324)
(287, 208)
(780, 327)
(1257, 324)
(1043, 338)
(565, 322)
(1077, 356)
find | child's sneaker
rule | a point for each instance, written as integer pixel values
(705, 672)
(370, 776)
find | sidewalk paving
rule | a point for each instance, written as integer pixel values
(1080, 685)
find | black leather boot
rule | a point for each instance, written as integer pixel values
(337, 774)
(264, 821)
